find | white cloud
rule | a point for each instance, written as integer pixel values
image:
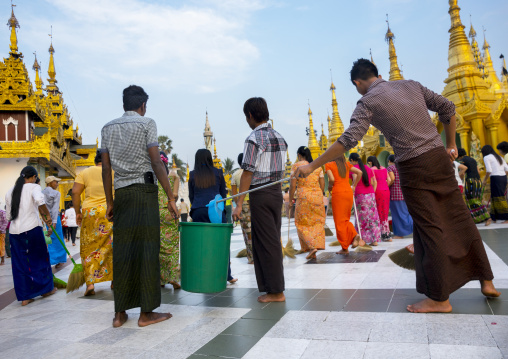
(200, 47)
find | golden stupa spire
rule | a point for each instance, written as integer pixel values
(208, 134)
(395, 73)
(313, 143)
(52, 87)
(371, 59)
(38, 81)
(459, 51)
(323, 141)
(214, 149)
(337, 127)
(490, 73)
(13, 24)
(476, 50)
(188, 173)
(174, 163)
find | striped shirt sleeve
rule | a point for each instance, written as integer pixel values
(151, 134)
(250, 155)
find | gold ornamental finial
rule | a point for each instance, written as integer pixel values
(13, 25)
(476, 49)
(174, 162)
(472, 32)
(371, 59)
(38, 81)
(313, 142)
(52, 87)
(336, 128)
(395, 73)
(490, 73)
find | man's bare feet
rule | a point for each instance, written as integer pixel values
(26, 302)
(148, 318)
(343, 251)
(272, 297)
(251, 262)
(356, 242)
(373, 244)
(49, 293)
(488, 289)
(397, 237)
(176, 285)
(59, 265)
(489, 222)
(430, 306)
(233, 281)
(120, 319)
(362, 243)
(312, 254)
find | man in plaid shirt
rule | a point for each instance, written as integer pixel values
(448, 249)
(263, 162)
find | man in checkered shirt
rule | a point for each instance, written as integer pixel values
(130, 148)
(448, 249)
(264, 157)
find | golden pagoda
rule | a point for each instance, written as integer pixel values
(479, 98)
(395, 73)
(38, 129)
(337, 127)
(216, 160)
(323, 141)
(287, 171)
(313, 144)
(208, 134)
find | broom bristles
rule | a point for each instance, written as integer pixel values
(365, 248)
(328, 231)
(403, 258)
(289, 249)
(58, 283)
(242, 253)
(76, 278)
(335, 244)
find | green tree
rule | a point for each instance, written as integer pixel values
(165, 144)
(228, 164)
(181, 167)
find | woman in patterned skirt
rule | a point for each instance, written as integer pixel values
(310, 215)
(96, 238)
(365, 199)
(169, 256)
(473, 189)
(382, 192)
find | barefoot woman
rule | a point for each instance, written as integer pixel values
(310, 214)
(31, 270)
(448, 248)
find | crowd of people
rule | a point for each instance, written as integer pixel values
(130, 198)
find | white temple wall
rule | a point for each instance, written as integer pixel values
(10, 168)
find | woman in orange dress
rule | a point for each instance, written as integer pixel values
(342, 201)
(310, 210)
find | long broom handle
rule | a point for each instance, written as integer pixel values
(253, 190)
(356, 215)
(61, 242)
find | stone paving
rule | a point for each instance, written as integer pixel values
(335, 308)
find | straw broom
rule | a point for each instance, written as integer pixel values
(289, 249)
(77, 276)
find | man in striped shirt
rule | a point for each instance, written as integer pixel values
(263, 162)
(448, 249)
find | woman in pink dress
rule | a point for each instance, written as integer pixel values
(382, 196)
(365, 200)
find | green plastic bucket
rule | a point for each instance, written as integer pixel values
(204, 251)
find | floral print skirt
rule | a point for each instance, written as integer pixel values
(169, 255)
(370, 226)
(246, 229)
(96, 245)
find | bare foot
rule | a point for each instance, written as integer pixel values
(272, 297)
(175, 285)
(90, 290)
(430, 306)
(59, 265)
(343, 251)
(488, 289)
(233, 281)
(488, 223)
(26, 302)
(356, 242)
(251, 262)
(49, 293)
(148, 318)
(505, 222)
(373, 244)
(362, 243)
(2, 262)
(111, 285)
(312, 254)
(120, 319)
(397, 237)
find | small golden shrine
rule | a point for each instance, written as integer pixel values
(37, 127)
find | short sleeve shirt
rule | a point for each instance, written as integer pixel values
(127, 140)
(91, 178)
(472, 167)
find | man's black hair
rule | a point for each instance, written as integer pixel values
(98, 157)
(257, 107)
(181, 199)
(503, 146)
(240, 159)
(461, 152)
(363, 69)
(134, 97)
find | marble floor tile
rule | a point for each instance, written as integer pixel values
(354, 331)
(326, 349)
(77, 351)
(276, 348)
(34, 349)
(318, 316)
(109, 336)
(439, 351)
(294, 329)
(376, 350)
(399, 333)
(460, 334)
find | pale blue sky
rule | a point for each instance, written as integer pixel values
(214, 54)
